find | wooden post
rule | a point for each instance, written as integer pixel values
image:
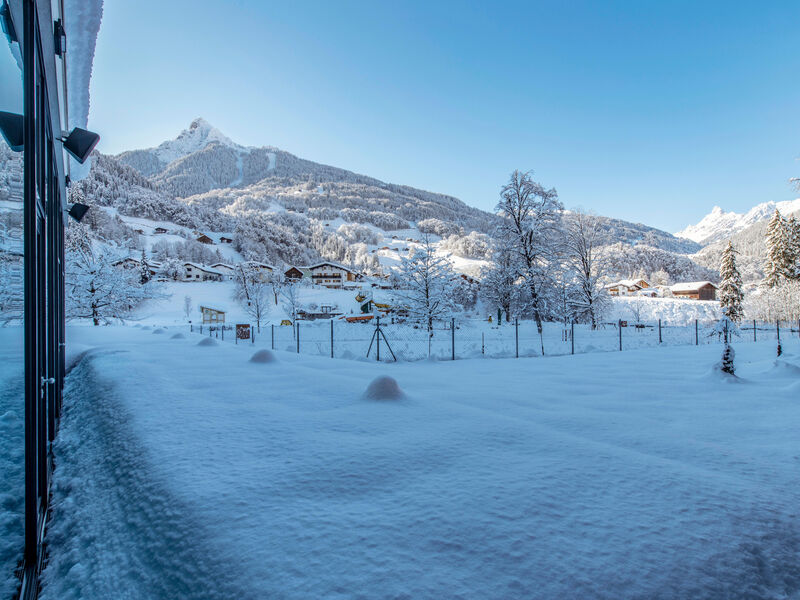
(297, 337)
(516, 335)
(754, 330)
(659, 331)
(273, 336)
(378, 339)
(572, 336)
(453, 337)
(696, 333)
(619, 326)
(778, 329)
(331, 337)
(483, 344)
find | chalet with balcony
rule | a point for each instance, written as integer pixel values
(627, 287)
(332, 275)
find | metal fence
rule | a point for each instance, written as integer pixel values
(468, 338)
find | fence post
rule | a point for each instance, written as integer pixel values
(273, 336)
(483, 344)
(297, 337)
(572, 336)
(453, 338)
(754, 330)
(696, 333)
(516, 335)
(778, 329)
(252, 335)
(223, 332)
(619, 326)
(331, 337)
(201, 329)
(191, 328)
(659, 331)
(378, 339)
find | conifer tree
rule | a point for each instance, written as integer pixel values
(144, 275)
(776, 266)
(793, 234)
(730, 289)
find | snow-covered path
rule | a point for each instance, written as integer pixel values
(186, 471)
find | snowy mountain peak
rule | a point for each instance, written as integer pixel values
(199, 135)
(719, 224)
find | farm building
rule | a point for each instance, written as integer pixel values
(695, 290)
(204, 239)
(331, 275)
(224, 268)
(296, 273)
(225, 240)
(135, 263)
(195, 272)
(626, 287)
(160, 230)
(212, 315)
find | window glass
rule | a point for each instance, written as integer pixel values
(11, 366)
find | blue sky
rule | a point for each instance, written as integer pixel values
(648, 111)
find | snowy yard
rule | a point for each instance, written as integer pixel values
(188, 471)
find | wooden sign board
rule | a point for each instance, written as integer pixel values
(242, 331)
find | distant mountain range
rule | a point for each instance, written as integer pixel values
(720, 225)
(285, 209)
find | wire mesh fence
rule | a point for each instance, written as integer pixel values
(471, 338)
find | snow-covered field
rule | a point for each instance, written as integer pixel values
(186, 471)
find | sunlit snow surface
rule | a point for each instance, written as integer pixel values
(189, 472)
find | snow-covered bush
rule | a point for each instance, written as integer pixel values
(474, 245)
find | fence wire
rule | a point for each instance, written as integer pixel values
(472, 338)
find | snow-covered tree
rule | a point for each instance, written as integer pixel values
(726, 363)
(586, 263)
(500, 282)
(426, 285)
(793, 243)
(290, 294)
(173, 268)
(144, 269)
(96, 289)
(253, 291)
(531, 219)
(777, 266)
(730, 288)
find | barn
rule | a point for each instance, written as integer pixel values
(695, 290)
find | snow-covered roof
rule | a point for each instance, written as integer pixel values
(690, 286)
(329, 264)
(221, 264)
(629, 283)
(81, 23)
(202, 268)
(255, 263)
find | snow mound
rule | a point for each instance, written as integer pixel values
(207, 342)
(177, 336)
(263, 356)
(784, 369)
(158, 330)
(384, 388)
